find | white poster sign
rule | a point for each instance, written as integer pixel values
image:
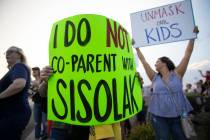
(169, 23)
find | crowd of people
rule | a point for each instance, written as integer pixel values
(16, 89)
(201, 87)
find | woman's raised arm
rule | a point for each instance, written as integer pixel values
(150, 72)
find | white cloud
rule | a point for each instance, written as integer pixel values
(199, 65)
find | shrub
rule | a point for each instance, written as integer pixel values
(202, 125)
(192, 99)
(142, 132)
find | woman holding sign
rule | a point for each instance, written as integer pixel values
(15, 111)
(168, 101)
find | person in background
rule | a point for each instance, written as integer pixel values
(44, 133)
(39, 117)
(126, 127)
(15, 111)
(206, 76)
(188, 88)
(62, 131)
(198, 89)
(43, 93)
(206, 84)
(168, 93)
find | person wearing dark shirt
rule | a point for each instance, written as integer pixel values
(15, 111)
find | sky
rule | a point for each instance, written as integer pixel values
(27, 24)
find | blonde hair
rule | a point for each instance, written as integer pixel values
(22, 56)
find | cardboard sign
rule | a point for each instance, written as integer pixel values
(170, 23)
(94, 80)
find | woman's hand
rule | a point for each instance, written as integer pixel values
(182, 67)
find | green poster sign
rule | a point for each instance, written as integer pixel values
(94, 67)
